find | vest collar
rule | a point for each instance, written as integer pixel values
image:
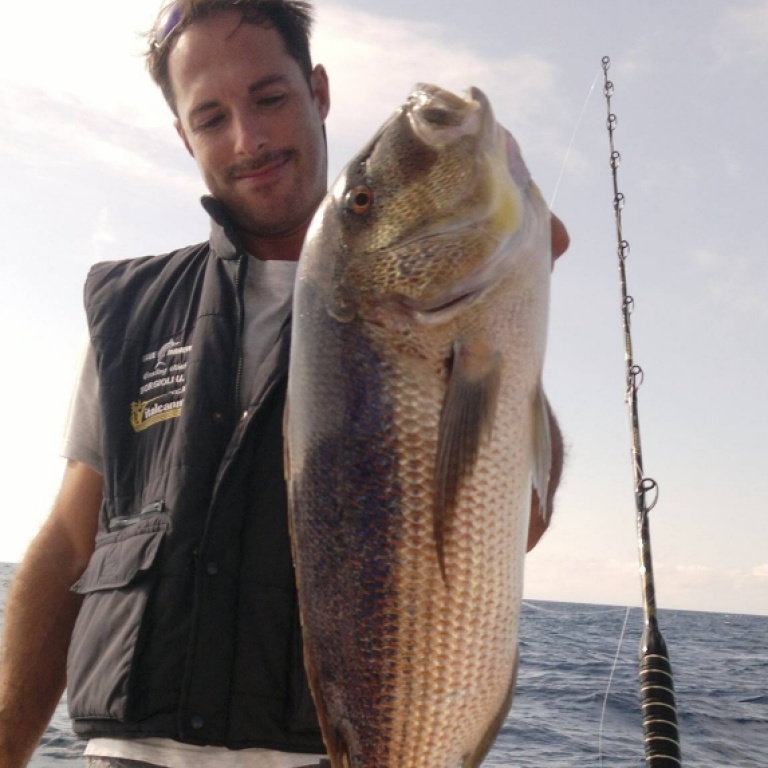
(224, 239)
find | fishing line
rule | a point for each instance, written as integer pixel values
(608, 688)
(573, 138)
(657, 695)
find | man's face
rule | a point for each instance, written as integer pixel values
(252, 122)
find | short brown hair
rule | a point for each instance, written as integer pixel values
(291, 18)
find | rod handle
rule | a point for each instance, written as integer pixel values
(657, 699)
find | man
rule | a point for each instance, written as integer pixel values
(181, 630)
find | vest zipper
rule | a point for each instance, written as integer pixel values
(242, 265)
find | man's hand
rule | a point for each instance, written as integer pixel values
(560, 239)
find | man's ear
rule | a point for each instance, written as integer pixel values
(180, 130)
(321, 90)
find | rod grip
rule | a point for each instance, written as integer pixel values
(657, 699)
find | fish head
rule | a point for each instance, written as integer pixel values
(419, 224)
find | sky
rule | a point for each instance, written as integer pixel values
(91, 169)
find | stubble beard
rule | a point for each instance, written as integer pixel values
(292, 211)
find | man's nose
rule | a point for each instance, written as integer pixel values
(249, 136)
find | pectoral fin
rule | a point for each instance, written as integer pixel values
(466, 419)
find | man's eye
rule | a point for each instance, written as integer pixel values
(271, 101)
(210, 123)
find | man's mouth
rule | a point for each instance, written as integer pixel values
(262, 167)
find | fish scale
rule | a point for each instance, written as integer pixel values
(412, 435)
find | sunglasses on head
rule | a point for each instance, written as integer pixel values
(165, 25)
(172, 16)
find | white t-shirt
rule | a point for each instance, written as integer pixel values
(174, 754)
(268, 293)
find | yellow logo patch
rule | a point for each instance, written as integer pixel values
(163, 378)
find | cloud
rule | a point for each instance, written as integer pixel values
(89, 50)
(741, 33)
(79, 97)
(732, 163)
(736, 282)
(102, 236)
(728, 590)
(706, 259)
(49, 131)
(374, 61)
(687, 586)
(638, 63)
(581, 579)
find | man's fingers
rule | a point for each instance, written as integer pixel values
(560, 238)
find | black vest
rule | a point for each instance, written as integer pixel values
(189, 626)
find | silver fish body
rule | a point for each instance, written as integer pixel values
(416, 429)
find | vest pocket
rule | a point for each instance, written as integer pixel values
(116, 586)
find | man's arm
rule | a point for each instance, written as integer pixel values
(41, 613)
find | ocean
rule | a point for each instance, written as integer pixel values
(565, 713)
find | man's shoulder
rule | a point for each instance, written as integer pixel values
(149, 266)
(117, 291)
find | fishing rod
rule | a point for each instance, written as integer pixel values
(657, 694)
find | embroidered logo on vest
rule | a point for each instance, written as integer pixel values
(161, 394)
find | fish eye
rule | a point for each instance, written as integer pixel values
(359, 199)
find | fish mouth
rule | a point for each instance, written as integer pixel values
(439, 117)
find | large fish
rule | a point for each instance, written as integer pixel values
(416, 429)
